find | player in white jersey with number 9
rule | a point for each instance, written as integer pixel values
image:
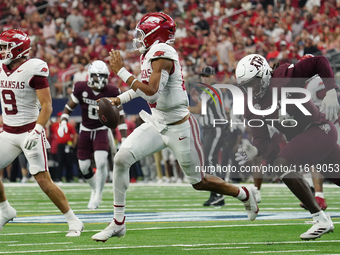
(170, 124)
(26, 107)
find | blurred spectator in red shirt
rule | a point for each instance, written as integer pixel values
(190, 43)
(273, 52)
(65, 146)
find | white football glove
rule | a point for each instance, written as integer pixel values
(245, 154)
(330, 105)
(33, 137)
(63, 129)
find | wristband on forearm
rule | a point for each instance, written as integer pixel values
(65, 116)
(124, 74)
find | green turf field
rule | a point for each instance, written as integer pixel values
(166, 219)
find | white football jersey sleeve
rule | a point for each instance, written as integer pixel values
(172, 104)
(19, 101)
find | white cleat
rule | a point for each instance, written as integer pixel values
(250, 202)
(258, 197)
(113, 230)
(7, 215)
(318, 229)
(75, 228)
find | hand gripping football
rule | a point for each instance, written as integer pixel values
(108, 114)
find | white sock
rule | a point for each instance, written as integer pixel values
(121, 179)
(4, 205)
(118, 212)
(320, 216)
(70, 216)
(320, 194)
(241, 194)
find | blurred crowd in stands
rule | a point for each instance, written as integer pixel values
(70, 34)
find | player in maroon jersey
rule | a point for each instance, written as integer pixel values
(94, 136)
(312, 139)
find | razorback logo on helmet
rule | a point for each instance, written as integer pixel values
(44, 69)
(153, 20)
(19, 36)
(159, 53)
(257, 62)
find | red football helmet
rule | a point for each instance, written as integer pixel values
(155, 27)
(14, 44)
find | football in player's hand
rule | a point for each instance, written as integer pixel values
(108, 114)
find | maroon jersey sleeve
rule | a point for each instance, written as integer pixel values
(39, 82)
(78, 88)
(309, 67)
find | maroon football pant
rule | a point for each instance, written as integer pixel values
(90, 141)
(316, 146)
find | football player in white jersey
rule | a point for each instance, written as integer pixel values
(26, 107)
(170, 124)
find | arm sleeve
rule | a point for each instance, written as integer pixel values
(316, 65)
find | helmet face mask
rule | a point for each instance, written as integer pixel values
(138, 41)
(156, 27)
(253, 71)
(98, 75)
(14, 44)
(257, 85)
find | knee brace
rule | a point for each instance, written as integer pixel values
(85, 168)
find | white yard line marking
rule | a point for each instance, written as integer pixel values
(33, 244)
(86, 248)
(282, 251)
(215, 248)
(164, 228)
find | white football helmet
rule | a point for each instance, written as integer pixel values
(98, 75)
(253, 70)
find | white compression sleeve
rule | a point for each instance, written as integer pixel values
(127, 96)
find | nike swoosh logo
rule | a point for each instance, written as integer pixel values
(20, 71)
(181, 138)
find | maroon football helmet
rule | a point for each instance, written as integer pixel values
(14, 44)
(155, 27)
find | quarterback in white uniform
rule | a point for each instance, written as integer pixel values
(170, 124)
(26, 107)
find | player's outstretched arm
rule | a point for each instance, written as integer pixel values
(158, 79)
